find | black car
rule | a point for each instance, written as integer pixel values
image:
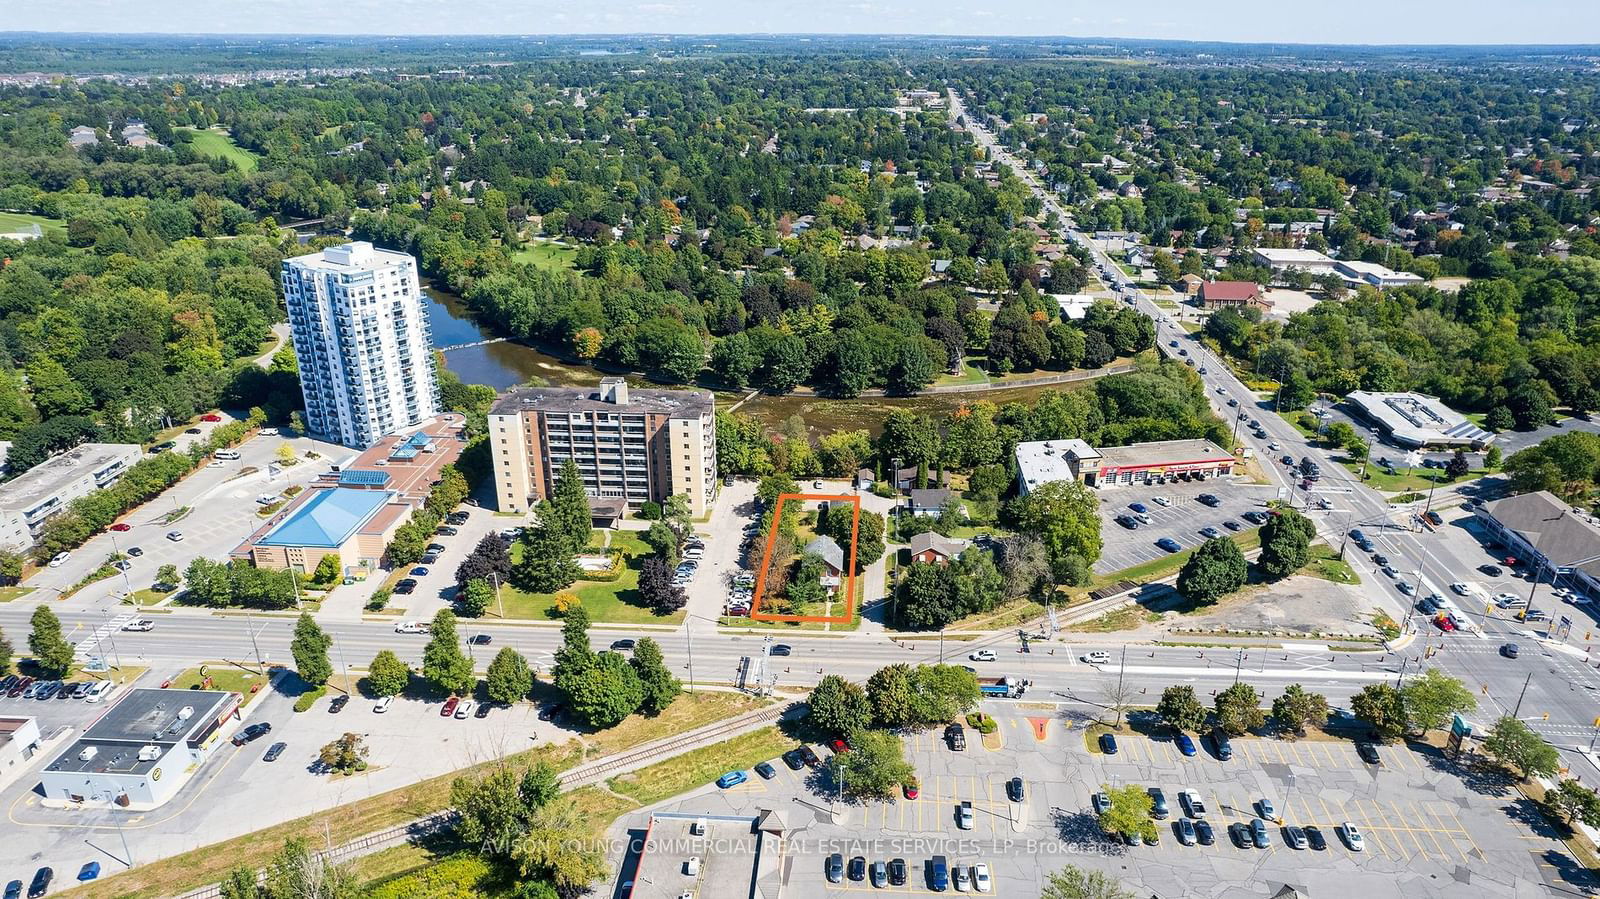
(1380, 560)
(253, 732)
(622, 644)
(41, 883)
(1014, 789)
(1315, 838)
(338, 704)
(809, 756)
(1239, 832)
(14, 890)
(447, 531)
(1368, 753)
(406, 585)
(1158, 803)
(551, 711)
(1202, 832)
(1128, 521)
(1224, 746)
(956, 736)
(429, 559)
(835, 868)
(766, 770)
(781, 649)
(483, 710)
(7, 682)
(794, 760)
(1208, 499)
(1491, 570)
(274, 751)
(858, 868)
(1108, 744)
(897, 872)
(480, 639)
(1232, 525)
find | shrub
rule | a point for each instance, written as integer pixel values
(650, 511)
(618, 562)
(380, 599)
(309, 698)
(983, 724)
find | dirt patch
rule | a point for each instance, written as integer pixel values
(1299, 607)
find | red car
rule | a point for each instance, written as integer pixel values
(211, 416)
(1444, 623)
(449, 707)
(909, 790)
(838, 745)
(119, 527)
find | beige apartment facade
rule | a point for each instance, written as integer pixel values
(635, 445)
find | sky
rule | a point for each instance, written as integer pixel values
(1246, 21)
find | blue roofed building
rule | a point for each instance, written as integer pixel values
(352, 523)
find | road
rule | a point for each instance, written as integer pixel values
(1560, 684)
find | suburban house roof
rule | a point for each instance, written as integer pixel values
(937, 542)
(828, 550)
(930, 498)
(328, 518)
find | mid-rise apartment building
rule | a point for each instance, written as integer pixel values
(45, 489)
(363, 341)
(633, 445)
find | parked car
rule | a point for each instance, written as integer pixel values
(1352, 836)
(897, 872)
(1185, 831)
(732, 779)
(1208, 499)
(1239, 832)
(1203, 833)
(449, 707)
(835, 868)
(1315, 838)
(274, 751)
(1185, 744)
(1294, 837)
(1169, 544)
(464, 709)
(135, 551)
(964, 816)
(1258, 833)
(338, 703)
(1368, 752)
(766, 770)
(383, 704)
(1108, 744)
(1223, 746)
(41, 883)
(1265, 808)
(1158, 803)
(956, 736)
(251, 733)
(175, 536)
(1015, 789)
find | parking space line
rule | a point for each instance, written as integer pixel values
(1454, 835)
(1361, 819)
(1466, 833)
(1433, 833)
(1400, 824)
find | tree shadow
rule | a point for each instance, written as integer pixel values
(1475, 773)
(1081, 828)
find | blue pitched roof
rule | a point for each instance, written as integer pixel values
(328, 518)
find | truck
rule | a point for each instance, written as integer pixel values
(1008, 687)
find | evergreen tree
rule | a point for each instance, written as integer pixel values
(475, 599)
(660, 687)
(566, 512)
(548, 563)
(310, 650)
(443, 663)
(575, 656)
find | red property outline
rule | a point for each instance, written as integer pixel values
(850, 566)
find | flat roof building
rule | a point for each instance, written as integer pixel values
(19, 742)
(353, 510)
(47, 488)
(1416, 419)
(1041, 462)
(1282, 260)
(1074, 306)
(710, 857)
(634, 445)
(1358, 273)
(146, 748)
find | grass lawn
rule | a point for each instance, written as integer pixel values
(1123, 619)
(547, 255)
(971, 373)
(17, 591)
(220, 145)
(615, 601)
(149, 596)
(1157, 568)
(1326, 564)
(20, 221)
(176, 875)
(678, 775)
(224, 676)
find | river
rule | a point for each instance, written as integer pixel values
(507, 364)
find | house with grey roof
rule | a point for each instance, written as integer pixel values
(832, 556)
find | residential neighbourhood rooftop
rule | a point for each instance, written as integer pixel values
(1044, 461)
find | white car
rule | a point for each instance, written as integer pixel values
(1352, 836)
(464, 710)
(964, 816)
(1098, 657)
(408, 627)
(175, 536)
(1161, 500)
(268, 432)
(982, 655)
(60, 559)
(1509, 601)
(961, 877)
(143, 624)
(1461, 589)
(980, 878)
(383, 704)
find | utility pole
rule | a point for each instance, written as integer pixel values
(260, 665)
(688, 635)
(1238, 665)
(1522, 694)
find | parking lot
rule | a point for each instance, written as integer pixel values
(1182, 520)
(1429, 829)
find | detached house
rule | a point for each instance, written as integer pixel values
(935, 549)
(832, 561)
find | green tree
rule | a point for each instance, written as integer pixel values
(52, 654)
(548, 562)
(387, 675)
(310, 650)
(1514, 744)
(239, 883)
(346, 754)
(1213, 571)
(476, 598)
(1073, 882)
(607, 692)
(494, 810)
(1430, 701)
(1066, 517)
(890, 696)
(327, 572)
(1458, 466)
(167, 575)
(942, 693)
(874, 768)
(508, 679)
(5, 654)
(558, 844)
(1181, 709)
(1574, 802)
(1129, 811)
(838, 707)
(660, 687)
(1285, 544)
(296, 872)
(1383, 707)
(1491, 458)
(444, 665)
(566, 512)
(575, 655)
(1238, 709)
(1297, 707)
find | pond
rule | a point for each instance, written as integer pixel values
(506, 364)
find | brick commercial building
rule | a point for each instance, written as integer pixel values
(1041, 462)
(635, 445)
(1232, 295)
(353, 510)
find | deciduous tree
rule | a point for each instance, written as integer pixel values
(1238, 709)
(838, 707)
(1297, 707)
(1181, 709)
(508, 679)
(444, 665)
(1515, 745)
(310, 650)
(387, 675)
(1213, 571)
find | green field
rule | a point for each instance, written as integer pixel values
(552, 256)
(219, 145)
(615, 601)
(17, 221)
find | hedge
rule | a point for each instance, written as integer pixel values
(618, 562)
(309, 698)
